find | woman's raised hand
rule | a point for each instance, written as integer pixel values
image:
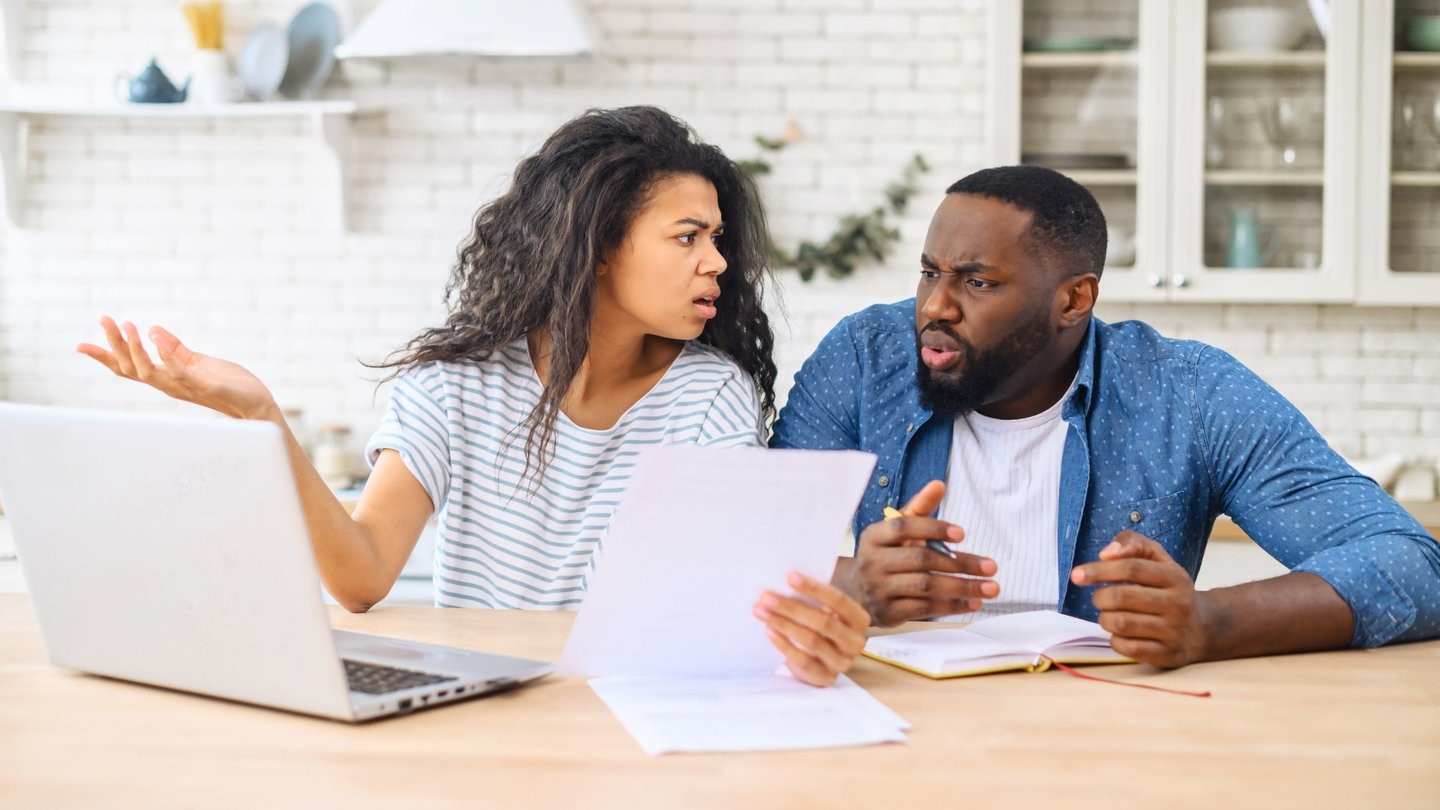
(183, 374)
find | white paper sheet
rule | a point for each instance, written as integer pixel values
(699, 533)
(759, 713)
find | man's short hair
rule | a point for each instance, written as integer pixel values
(1067, 226)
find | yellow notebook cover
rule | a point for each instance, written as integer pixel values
(1019, 641)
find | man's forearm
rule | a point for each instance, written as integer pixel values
(1297, 612)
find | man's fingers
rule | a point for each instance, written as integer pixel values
(1141, 572)
(1134, 544)
(926, 501)
(939, 588)
(910, 531)
(1134, 599)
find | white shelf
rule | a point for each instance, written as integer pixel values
(244, 109)
(1084, 59)
(1417, 60)
(1101, 177)
(1264, 177)
(1415, 179)
(1294, 60)
(331, 121)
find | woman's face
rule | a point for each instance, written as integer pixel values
(664, 278)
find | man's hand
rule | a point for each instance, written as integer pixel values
(1149, 603)
(820, 637)
(896, 578)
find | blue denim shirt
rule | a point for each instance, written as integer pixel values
(1164, 436)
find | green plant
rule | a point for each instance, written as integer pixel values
(858, 238)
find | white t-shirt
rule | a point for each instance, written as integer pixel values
(1003, 488)
(502, 542)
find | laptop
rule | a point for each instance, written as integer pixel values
(172, 551)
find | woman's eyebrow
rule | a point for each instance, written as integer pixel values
(698, 223)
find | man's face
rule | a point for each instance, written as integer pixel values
(983, 309)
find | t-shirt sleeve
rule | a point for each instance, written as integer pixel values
(416, 426)
(734, 419)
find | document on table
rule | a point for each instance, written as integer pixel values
(667, 620)
(760, 713)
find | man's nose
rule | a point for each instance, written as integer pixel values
(942, 304)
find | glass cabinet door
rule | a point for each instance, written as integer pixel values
(1400, 148)
(1081, 86)
(1265, 101)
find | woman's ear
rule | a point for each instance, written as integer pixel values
(1077, 298)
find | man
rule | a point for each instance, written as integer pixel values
(1082, 463)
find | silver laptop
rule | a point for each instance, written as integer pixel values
(172, 551)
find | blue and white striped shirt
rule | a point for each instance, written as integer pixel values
(503, 541)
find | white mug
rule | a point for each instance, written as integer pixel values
(212, 82)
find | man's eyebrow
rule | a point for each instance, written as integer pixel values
(965, 267)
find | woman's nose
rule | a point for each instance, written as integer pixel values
(713, 262)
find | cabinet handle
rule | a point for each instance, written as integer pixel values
(1155, 280)
(1182, 280)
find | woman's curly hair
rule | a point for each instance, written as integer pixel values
(530, 260)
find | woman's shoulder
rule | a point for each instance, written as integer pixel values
(702, 361)
(510, 361)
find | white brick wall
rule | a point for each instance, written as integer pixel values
(221, 230)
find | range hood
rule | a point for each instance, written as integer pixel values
(398, 28)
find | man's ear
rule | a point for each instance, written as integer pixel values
(1077, 298)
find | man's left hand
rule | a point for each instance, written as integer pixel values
(1148, 602)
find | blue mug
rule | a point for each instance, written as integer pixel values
(1251, 244)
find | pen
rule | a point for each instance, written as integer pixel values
(934, 545)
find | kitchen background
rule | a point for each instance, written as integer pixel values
(227, 229)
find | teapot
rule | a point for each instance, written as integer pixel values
(150, 86)
(1246, 236)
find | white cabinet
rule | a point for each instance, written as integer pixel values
(1244, 175)
(1399, 243)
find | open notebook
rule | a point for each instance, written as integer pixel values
(1020, 641)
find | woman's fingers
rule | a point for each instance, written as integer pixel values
(139, 358)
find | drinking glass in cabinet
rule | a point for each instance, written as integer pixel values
(1286, 123)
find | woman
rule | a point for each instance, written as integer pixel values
(610, 299)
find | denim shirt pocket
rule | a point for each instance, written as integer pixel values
(1159, 519)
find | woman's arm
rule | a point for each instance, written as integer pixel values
(359, 557)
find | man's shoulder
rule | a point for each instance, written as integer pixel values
(897, 318)
(1139, 342)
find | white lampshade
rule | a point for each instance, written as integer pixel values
(474, 27)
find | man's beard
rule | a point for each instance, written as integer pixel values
(981, 373)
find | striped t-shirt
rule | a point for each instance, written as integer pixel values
(504, 542)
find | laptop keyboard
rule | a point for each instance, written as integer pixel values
(376, 679)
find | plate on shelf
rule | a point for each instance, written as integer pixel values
(1076, 160)
(1077, 44)
(263, 60)
(312, 36)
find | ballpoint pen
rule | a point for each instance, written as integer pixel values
(936, 546)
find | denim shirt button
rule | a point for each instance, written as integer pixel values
(910, 427)
(883, 480)
(1134, 517)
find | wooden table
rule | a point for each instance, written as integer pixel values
(1346, 729)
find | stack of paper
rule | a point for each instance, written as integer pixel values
(698, 535)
